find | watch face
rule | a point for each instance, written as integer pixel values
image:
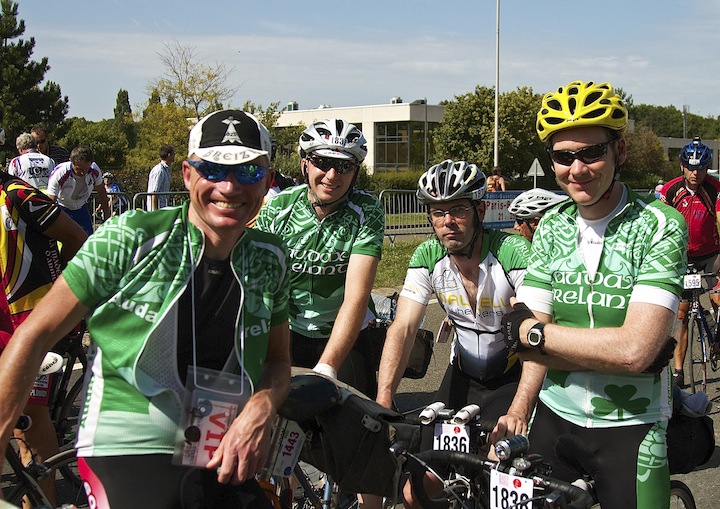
(534, 337)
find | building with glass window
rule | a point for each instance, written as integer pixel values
(399, 134)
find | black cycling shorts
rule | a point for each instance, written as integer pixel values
(129, 482)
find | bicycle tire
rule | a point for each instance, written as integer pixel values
(698, 353)
(65, 495)
(681, 496)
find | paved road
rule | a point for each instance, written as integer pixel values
(704, 481)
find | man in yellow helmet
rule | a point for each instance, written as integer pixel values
(597, 308)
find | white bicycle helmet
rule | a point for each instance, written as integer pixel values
(333, 138)
(451, 180)
(534, 203)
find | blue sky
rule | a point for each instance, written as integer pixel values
(662, 52)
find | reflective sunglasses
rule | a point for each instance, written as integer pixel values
(587, 155)
(325, 164)
(437, 216)
(214, 172)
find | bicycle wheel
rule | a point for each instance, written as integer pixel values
(66, 427)
(680, 495)
(697, 346)
(66, 493)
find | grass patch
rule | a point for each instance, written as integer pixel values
(394, 263)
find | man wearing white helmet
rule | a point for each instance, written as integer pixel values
(529, 207)
(332, 230)
(474, 272)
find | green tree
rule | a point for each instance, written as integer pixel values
(646, 162)
(105, 138)
(23, 101)
(124, 117)
(160, 123)
(195, 87)
(467, 130)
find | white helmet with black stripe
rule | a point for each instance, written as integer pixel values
(335, 138)
(451, 180)
(534, 203)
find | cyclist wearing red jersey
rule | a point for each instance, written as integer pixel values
(697, 197)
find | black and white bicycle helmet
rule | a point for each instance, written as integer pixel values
(333, 138)
(534, 203)
(451, 180)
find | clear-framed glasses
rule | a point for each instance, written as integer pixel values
(214, 172)
(325, 164)
(437, 216)
(587, 155)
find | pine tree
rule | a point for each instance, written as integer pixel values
(23, 101)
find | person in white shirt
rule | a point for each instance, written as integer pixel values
(31, 165)
(159, 179)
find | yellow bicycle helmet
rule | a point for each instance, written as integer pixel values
(581, 104)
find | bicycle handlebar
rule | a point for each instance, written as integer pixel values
(423, 462)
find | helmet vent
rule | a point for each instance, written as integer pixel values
(593, 97)
(572, 104)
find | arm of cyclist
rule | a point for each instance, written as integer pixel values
(244, 448)
(21, 359)
(630, 348)
(358, 285)
(103, 199)
(69, 233)
(398, 345)
(515, 421)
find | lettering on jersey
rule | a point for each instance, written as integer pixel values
(319, 264)
(605, 290)
(256, 330)
(139, 309)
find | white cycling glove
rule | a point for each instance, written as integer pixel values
(325, 369)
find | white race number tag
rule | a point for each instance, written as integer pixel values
(509, 491)
(289, 442)
(693, 281)
(451, 437)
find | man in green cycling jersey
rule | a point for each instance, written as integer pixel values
(335, 234)
(603, 282)
(190, 341)
(333, 231)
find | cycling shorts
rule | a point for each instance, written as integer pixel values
(153, 481)
(82, 217)
(43, 387)
(629, 463)
(358, 370)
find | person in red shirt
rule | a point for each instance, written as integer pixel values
(697, 197)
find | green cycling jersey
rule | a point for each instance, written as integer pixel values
(320, 251)
(642, 259)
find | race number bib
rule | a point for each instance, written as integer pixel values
(451, 437)
(509, 491)
(693, 281)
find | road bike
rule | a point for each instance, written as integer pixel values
(702, 344)
(22, 481)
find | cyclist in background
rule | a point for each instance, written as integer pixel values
(31, 165)
(697, 197)
(474, 272)
(604, 281)
(71, 184)
(529, 207)
(171, 290)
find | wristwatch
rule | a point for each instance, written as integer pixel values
(536, 337)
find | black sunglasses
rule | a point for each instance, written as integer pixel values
(521, 222)
(587, 155)
(325, 164)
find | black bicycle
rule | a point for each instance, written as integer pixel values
(702, 344)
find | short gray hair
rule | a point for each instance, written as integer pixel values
(25, 142)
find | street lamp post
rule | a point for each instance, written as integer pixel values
(496, 154)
